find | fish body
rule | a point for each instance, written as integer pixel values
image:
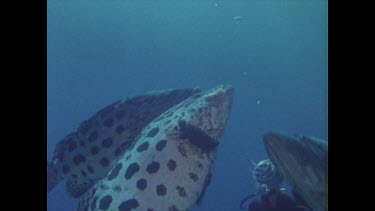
(169, 166)
(88, 153)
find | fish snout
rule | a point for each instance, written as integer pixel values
(219, 102)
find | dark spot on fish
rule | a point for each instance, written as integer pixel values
(153, 132)
(171, 165)
(93, 204)
(197, 137)
(83, 173)
(172, 208)
(105, 202)
(149, 209)
(182, 150)
(65, 169)
(193, 176)
(123, 147)
(82, 143)
(104, 162)
(115, 171)
(94, 150)
(128, 205)
(108, 122)
(128, 157)
(161, 144)
(132, 169)
(153, 167)
(103, 187)
(120, 129)
(90, 169)
(117, 188)
(161, 190)
(93, 136)
(143, 147)
(107, 142)
(79, 159)
(199, 165)
(142, 184)
(181, 191)
(74, 176)
(72, 146)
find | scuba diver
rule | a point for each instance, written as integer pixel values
(272, 198)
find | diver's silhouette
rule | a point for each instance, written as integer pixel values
(272, 197)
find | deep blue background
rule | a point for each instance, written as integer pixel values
(100, 51)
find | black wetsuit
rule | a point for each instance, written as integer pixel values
(283, 202)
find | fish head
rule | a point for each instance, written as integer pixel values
(209, 110)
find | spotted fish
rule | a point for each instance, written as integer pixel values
(169, 167)
(88, 153)
(303, 162)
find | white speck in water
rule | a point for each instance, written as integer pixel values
(258, 102)
(237, 18)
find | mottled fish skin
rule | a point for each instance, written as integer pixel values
(88, 153)
(165, 170)
(303, 162)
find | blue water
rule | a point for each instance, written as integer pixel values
(100, 51)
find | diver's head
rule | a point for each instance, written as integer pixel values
(266, 176)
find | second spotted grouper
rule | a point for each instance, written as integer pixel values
(88, 153)
(303, 162)
(169, 166)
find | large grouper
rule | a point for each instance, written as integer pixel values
(168, 168)
(89, 152)
(303, 162)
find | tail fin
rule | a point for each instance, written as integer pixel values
(52, 179)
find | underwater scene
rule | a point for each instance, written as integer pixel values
(175, 105)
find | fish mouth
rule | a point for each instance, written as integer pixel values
(221, 98)
(227, 89)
